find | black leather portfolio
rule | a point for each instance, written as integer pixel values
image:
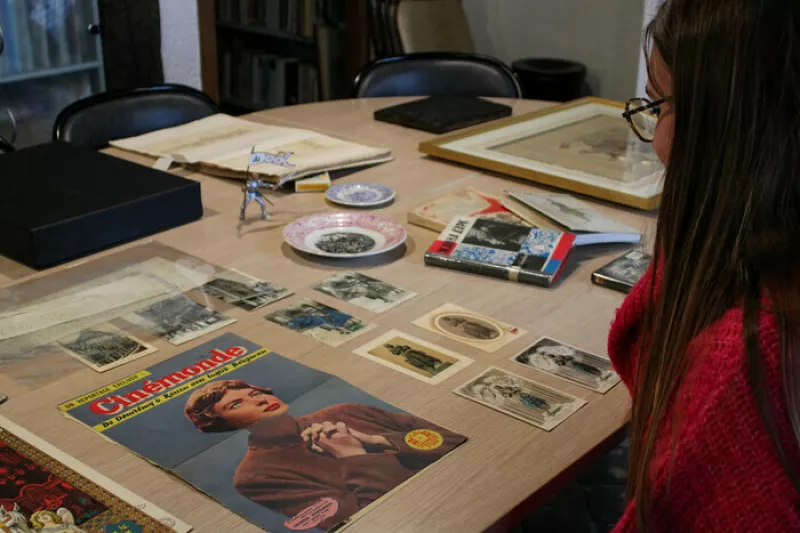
(442, 114)
(59, 202)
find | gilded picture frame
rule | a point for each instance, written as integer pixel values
(584, 146)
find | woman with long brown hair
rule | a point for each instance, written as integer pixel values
(707, 342)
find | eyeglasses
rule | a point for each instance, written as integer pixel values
(642, 116)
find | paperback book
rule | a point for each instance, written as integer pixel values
(589, 225)
(435, 215)
(508, 251)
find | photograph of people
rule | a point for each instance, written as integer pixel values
(350, 453)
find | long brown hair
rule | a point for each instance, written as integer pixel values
(729, 223)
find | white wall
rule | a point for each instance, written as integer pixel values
(180, 42)
(650, 8)
(605, 35)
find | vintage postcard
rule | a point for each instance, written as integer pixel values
(104, 347)
(521, 398)
(567, 362)
(414, 357)
(474, 329)
(179, 319)
(243, 291)
(364, 291)
(42, 489)
(319, 321)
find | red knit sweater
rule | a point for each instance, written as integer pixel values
(725, 476)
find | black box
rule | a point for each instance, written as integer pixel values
(59, 202)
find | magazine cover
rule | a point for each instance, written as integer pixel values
(43, 489)
(283, 445)
(507, 251)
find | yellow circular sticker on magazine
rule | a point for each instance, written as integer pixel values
(424, 439)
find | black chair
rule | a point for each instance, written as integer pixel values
(437, 74)
(5, 146)
(94, 121)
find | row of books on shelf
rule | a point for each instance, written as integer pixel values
(258, 80)
(293, 16)
(42, 35)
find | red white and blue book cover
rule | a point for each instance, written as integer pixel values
(508, 251)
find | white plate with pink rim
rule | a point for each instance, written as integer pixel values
(344, 235)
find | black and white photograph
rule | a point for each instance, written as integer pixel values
(520, 397)
(243, 291)
(179, 319)
(498, 235)
(624, 272)
(569, 363)
(345, 243)
(104, 347)
(571, 213)
(471, 328)
(364, 291)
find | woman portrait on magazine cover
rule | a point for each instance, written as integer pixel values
(349, 454)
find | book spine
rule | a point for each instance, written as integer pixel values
(485, 269)
(603, 281)
(273, 14)
(9, 23)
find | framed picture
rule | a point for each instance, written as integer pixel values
(584, 146)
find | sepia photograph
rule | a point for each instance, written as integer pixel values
(243, 291)
(319, 321)
(600, 144)
(474, 329)
(569, 363)
(104, 347)
(179, 319)
(364, 291)
(497, 235)
(413, 357)
(521, 398)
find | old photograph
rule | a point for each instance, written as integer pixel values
(626, 271)
(104, 347)
(320, 322)
(179, 319)
(498, 235)
(521, 398)
(364, 291)
(413, 357)
(567, 362)
(243, 291)
(474, 329)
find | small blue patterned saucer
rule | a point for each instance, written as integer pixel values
(360, 194)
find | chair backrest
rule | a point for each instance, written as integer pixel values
(5, 146)
(433, 26)
(94, 121)
(437, 74)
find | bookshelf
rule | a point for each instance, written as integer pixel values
(260, 54)
(52, 56)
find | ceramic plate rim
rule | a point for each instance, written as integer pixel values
(359, 204)
(321, 253)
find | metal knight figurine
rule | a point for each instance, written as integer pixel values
(252, 191)
(252, 187)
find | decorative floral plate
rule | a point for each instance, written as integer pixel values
(344, 234)
(360, 194)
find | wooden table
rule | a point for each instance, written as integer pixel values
(505, 470)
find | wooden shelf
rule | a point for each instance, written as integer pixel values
(267, 32)
(48, 72)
